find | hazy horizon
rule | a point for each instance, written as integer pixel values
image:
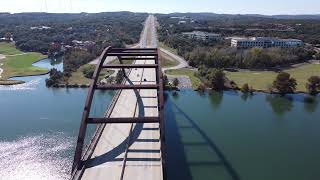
(272, 7)
(159, 13)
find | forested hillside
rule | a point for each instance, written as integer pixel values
(37, 31)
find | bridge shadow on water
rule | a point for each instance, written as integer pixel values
(192, 158)
(113, 155)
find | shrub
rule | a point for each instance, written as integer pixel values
(88, 71)
(176, 82)
(284, 83)
(217, 79)
(201, 88)
(313, 85)
(245, 88)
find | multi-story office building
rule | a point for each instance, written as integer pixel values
(265, 42)
(202, 35)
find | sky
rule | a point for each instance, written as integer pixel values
(267, 7)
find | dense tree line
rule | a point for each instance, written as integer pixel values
(116, 28)
(228, 57)
(74, 59)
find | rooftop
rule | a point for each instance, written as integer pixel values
(263, 39)
(200, 33)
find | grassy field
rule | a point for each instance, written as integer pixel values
(116, 61)
(187, 72)
(78, 76)
(262, 80)
(8, 49)
(162, 45)
(167, 61)
(21, 65)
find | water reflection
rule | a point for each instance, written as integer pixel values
(310, 104)
(175, 95)
(280, 104)
(246, 96)
(216, 99)
(56, 61)
(193, 148)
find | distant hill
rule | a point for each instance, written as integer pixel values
(316, 16)
(302, 16)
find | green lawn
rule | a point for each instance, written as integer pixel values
(167, 61)
(78, 76)
(262, 80)
(195, 80)
(8, 49)
(116, 61)
(21, 65)
(162, 45)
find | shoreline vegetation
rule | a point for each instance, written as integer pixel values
(262, 83)
(259, 80)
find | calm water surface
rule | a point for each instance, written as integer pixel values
(233, 136)
(209, 136)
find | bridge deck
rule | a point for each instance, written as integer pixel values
(143, 157)
(131, 151)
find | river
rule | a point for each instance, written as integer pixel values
(209, 136)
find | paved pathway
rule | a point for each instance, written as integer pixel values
(1, 64)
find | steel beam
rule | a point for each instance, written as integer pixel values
(133, 54)
(86, 112)
(138, 58)
(134, 49)
(120, 86)
(123, 120)
(120, 66)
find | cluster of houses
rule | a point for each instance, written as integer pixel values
(6, 39)
(80, 45)
(183, 19)
(40, 28)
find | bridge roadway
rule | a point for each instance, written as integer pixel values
(131, 151)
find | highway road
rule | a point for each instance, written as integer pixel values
(138, 143)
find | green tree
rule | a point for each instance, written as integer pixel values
(165, 80)
(119, 77)
(201, 88)
(245, 88)
(8, 36)
(284, 83)
(217, 79)
(313, 85)
(55, 78)
(176, 82)
(88, 71)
